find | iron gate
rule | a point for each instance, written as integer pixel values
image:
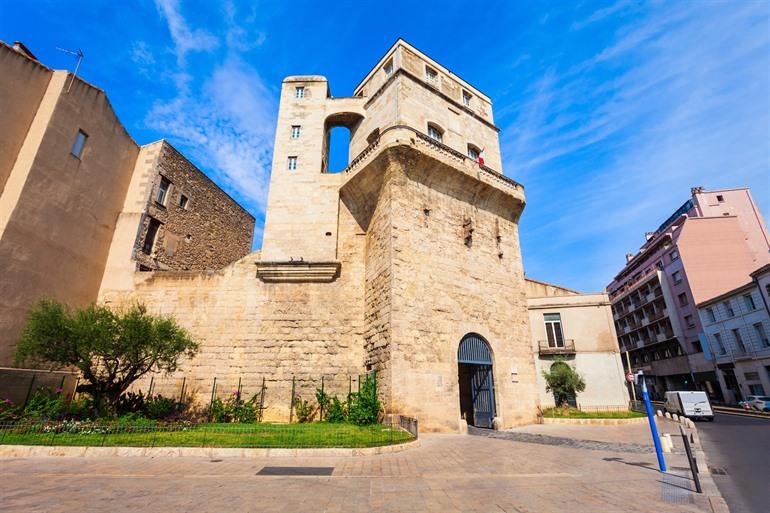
(474, 351)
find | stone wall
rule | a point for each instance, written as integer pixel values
(250, 330)
(210, 232)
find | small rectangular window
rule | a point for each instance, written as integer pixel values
(751, 376)
(710, 315)
(295, 129)
(673, 256)
(683, 301)
(388, 68)
(149, 238)
(720, 345)
(292, 163)
(163, 191)
(729, 309)
(677, 277)
(749, 302)
(183, 201)
(739, 340)
(756, 389)
(435, 133)
(299, 92)
(553, 330)
(688, 319)
(467, 98)
(80, 142)
(473, 153)
(431, 75)
(759, 328)
(720, 198)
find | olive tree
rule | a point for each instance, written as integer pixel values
(563, 381)
(112, 349)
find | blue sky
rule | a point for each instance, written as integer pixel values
(609, 111)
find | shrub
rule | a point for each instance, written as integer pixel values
(323, 400)
(563, 381)
(235, 409)
(365, 405)
(9, 410)
(336, 411)
(46, 404)
(305, 409)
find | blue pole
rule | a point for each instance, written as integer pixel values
(653, 427)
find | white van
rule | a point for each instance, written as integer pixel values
(693, 405)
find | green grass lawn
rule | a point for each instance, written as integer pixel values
(574, 413)
(316, 434)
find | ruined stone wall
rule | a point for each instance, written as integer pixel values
(210, 232)
(250, 330)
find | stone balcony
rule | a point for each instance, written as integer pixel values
(567, 347)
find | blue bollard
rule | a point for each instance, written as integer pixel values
(653, 427)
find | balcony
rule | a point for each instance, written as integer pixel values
(567, 347)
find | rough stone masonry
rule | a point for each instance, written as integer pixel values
(384, 266)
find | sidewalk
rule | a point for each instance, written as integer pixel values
(448, 473)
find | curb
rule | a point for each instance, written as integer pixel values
(594, 422)
(26, 451)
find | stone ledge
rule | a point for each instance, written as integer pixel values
(26, 451)
(595, 422)
(298, 271)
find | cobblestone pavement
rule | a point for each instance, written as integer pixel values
(448, 473)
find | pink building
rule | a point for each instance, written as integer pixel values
(705, 248)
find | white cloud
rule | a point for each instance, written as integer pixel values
(185, 39)
(680, 96)
(222, 115)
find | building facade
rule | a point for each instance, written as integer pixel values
(406, 263)
(705, 248)
(736, 328)
(579, 330)
(66, 167)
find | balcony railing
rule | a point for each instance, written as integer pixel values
(567, 347)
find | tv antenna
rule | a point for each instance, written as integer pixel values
(79, 54)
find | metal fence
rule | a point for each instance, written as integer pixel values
(259, 435)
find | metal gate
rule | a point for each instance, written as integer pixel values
(474, 351)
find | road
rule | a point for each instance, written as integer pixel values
(740, 446)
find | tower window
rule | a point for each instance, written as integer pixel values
(80, 142)
(299, 92)
(720, 198)
(295, 129)
(473, 152)
(431, 75)
(292, 163)
(435, 133)
(467, 98)
(163, 191)
(388, 68)
(183, 201)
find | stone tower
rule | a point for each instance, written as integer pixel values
(422, 225)
(406, 263)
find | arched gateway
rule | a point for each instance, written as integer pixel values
(477, 391)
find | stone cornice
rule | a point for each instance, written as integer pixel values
(298, 271)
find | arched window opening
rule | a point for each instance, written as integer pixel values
(435, 132)
(339, 143)
(338, 131)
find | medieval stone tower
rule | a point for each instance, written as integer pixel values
(406, 263)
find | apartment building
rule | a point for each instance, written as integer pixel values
(705, 248)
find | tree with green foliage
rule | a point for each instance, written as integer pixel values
(112, 349)
(365, 405)
(563, 381)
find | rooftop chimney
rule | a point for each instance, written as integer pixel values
(696, 190)
(22, 49)
(649, 235)
(629, 257)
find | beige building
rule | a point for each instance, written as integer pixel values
(578, 329)
(406, 263)
(69, 175)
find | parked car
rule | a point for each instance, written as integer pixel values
(761, 403)
(693, 405)
(746, 403)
